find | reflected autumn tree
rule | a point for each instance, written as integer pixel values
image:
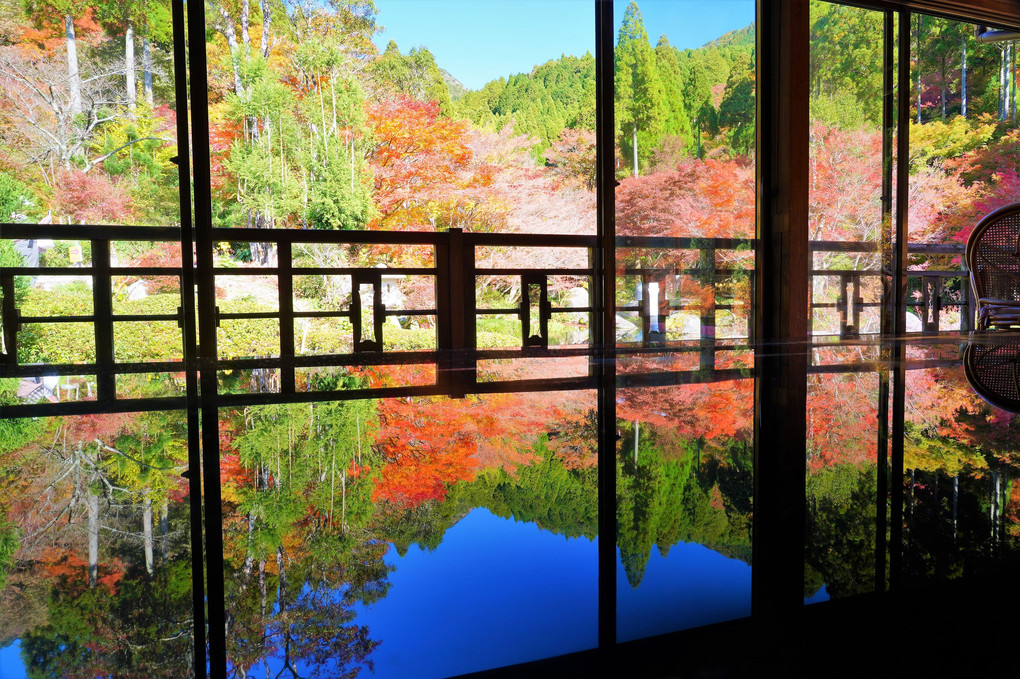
(297, 485)
(128, 626)
(959, 462)
(315, 494)
(87, 591)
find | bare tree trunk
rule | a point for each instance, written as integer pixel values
(282, 570)
(1002, 85)
(251, 539)
(267, 15)
(1013, 81)
(637, 439)
(129, 65)
(245, 20)
(92, 504)
(956, 502)
(1005, 82)
(262, 587)
(635, 150)
(262, 600)
(963, 77)
(993, 506)
(146, 64)
(147, 531)
(227, 28)
(164, 528)
(944, 76)
(920, 24)
(74, 77)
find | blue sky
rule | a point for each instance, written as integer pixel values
(480, 40)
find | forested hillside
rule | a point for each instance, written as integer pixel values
(306, 90)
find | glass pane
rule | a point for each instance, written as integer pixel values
(685, 117)
(851, 246)
(959, 508)
(962, 130)
(417, 126)
(844, 440)
(426, 535)
(846, 218)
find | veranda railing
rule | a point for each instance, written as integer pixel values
(456, 273)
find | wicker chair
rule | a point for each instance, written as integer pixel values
(993, 257)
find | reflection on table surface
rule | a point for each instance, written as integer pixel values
(362, 534)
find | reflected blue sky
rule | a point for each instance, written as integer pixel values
(692, 586)
(495, 592)
(11, 666)
(817, 597)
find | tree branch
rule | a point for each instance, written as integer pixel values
(93, 163)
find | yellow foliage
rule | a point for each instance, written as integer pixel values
(937, 140)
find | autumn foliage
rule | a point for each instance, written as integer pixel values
(713, 412)
(417, 159)
(427, 446)
(91, 198)
(714, 198)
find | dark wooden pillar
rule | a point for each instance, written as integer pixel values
(899, 312)
(187, 321)
(781, 304)
(603, 333)
(206, 355)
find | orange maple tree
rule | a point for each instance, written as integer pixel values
(713, 412)
(428, 445)
(431, 443)
(416, 159)
(713, 198)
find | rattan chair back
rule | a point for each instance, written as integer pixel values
(993, 257)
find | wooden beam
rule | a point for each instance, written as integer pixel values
(781, 324)
(603, 330)
(1003, 14)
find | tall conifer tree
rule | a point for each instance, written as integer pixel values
(640, 100)
(677, 122)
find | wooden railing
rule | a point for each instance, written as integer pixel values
(456, 272)
(934, 293)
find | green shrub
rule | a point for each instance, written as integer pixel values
(10, 542)
(246, 337)
(57, 342)
(75, 342)
(413, 339)
(13, 195)
(325, 336)
(497, 340)
(840, 109)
